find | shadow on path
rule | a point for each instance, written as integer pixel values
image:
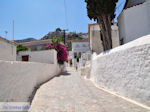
(38, 86)
(66, 73)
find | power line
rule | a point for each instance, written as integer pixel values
(66, 17)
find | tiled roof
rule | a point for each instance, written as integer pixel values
(36, 42)
(8, 41)
(80, 40)
(131, 3)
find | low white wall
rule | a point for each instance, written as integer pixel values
(125, 70)
(18, 79)
(7, 51)
(44, 56)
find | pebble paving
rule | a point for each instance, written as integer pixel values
(70, 92)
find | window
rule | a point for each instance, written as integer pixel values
(84, 45)
(25, 58)
(75, 55)
(121, 42)
(77, 46)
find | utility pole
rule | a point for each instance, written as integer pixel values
(13, 32)
(12, 36)
(65, 35)
(6, 34)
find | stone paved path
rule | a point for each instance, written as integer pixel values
(71, 93)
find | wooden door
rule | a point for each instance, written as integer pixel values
(25, 58)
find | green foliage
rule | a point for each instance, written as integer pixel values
(21, 48)
(78, 57)
(69, 46)
(103, 11)
(58, 30)
(96, 8)
(58, 39)
(35, 49)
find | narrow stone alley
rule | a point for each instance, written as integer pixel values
(70, 92)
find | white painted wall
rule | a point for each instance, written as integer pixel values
(18, 79)
(80, 46)
(44, 56)
(125, 70)
(85, 57)
(7, 51)
(134, 22)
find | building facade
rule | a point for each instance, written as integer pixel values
(95, 37)
(80, 47)
(134, 21)
(44, 56)
(7, 50)
(36, 45)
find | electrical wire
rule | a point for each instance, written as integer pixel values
(66, 17)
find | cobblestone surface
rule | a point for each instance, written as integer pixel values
(71, 93)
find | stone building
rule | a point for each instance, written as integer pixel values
(7, 50)
(95, 37)
(134, 21)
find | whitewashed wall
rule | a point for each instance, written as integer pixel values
(80, 46)
(7, 51)
(134, 22)
(125, 70)
(18, 79)
(44, 56)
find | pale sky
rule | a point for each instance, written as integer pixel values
(35, 18)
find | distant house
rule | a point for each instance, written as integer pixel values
(7, 49)
(80, 46)
(43, 56)
(37, 52)
(36, 45)
(95, 38)
(134, 21)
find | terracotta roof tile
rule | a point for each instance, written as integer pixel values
(131, 3)
(8, 41)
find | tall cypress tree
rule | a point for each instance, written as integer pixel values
(103, 11)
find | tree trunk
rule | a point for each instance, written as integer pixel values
(104, 22)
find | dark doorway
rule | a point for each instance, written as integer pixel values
(71, 63)
(25, 58)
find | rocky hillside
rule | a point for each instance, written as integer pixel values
(25, 40)
(70, 35)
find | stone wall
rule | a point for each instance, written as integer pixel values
(125, 70)
(95, 38)
(18, 79)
